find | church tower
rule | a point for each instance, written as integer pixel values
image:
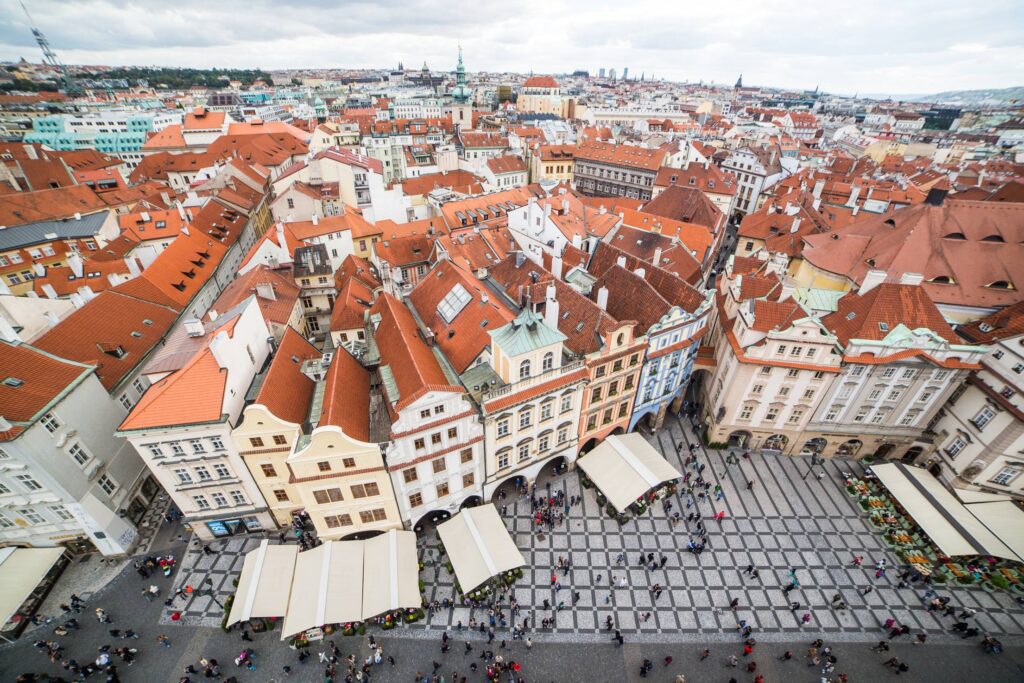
(739, 82)
(462, 95)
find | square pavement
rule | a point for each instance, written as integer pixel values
(784, 522)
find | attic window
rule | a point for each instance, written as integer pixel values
(942, 280)
(579, 326)
(985, 327)
(884, 327)
(13, 382)
(994, 238)
(136, 334)
(147, 321)
(890, 222)
(1000, 284)
(851, 315)
(955, 236)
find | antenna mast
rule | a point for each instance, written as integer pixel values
(49, 56)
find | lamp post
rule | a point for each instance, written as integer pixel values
(208, 589)
(815, 460)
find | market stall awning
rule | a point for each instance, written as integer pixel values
(1004, 519)
(265, 582)
(479, 546)
(626, 467)
(345, 581)
(950, 525)
(21, 570)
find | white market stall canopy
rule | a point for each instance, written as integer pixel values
(626, 467)
(479, 546)
(21, 571)
(346, 581)
(956, 529)
(265, 583)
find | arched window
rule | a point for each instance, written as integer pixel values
(524, 369)
(549, 361)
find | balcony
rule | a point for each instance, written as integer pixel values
(529, 382)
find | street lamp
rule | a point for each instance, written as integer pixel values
(208, 584)
(815, 460)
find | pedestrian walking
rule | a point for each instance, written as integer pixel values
(806, 618)
(705, 654)
(734, 661)
(867, 590)
(163, 640)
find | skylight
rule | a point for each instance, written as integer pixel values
(13, 382)
(453, 303)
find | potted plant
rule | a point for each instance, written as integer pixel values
(999, 581)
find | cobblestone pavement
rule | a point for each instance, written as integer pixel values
(784, 522)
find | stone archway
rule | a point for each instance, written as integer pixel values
(362, 535)
(816, 445)
(739, 439)
(693, 396)
(509, 487)
(775, 442)
(849, 449)
(911, 455)
(883, 451)
(590, 445)
(471, 502)
(430, 518)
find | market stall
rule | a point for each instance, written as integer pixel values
(628, 471)
(26, 576)
(264, 585)
(479, 546)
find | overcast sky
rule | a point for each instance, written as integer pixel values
(892, 46)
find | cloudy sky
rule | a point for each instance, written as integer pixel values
(893, 46)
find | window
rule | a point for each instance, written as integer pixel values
(909, 373)
(468, 480)
(32, 517)
(819, 374)
(281, 495)
(878, 417)
(410, 475)
(435, 439)
(268, 470)
(453, 433)
(28, 482)
(419, 444)
(524, 451)
(545, 411)
(623, 408)
(811, 352)
(746, 412)
(772, 414)
(184, 476)
(424, 414)
(78, 453)
(255, 442)
(238, 497)
(766, 370)
(983, 417)
(857, 371)
(203, 473)
(1005, 476)
(197, 446)
(126, 402)
(784, 391)
(909, 419)
(861, 414)
(365, 490)
(280, 440)
(943, 374)
(792, 373)
(503, 459)
(222, 471)
(415, 500)
(335, 521)
(875, 394)
(781, 350)
(566, 403)
(503, 427)
(50, 422)
(107, 484)
(544, 442)
(524, 369)
(894, 395)
(217, 443)
(325, 496)
(830, 416)
(176, 448)
(927, 395)
(4, 522)
(323, 466)
(442, 489)
(757, 389)
(549, 362)
(438, 465)
(525, 419)
(808, 394)
(466, 455)
(955, 446)
(889, 372)
(634, 359)
(62, 513)
(376, 515)
(438, 410)
(1007, 392)
(592, 423)
(796, 351)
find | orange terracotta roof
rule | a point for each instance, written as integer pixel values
(630, 156)
(63, 202)
(508, 163)
(696, 238)
(540, 82)
(41, 379)
(192, 395)
(460, 181)
(277, 310)
(354, 299)
(286, 391)
(347, 396)
(876, 313)
(686, 204)
(143, 225)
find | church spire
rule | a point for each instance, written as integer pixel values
(739, 81)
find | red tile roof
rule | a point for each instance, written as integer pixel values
(43, 378)
(637, 225)
(686, 204)
(286, 391)
(64, 202)
(277, 311)
(630, 156)
(508, 163)
(540, 82)
(347, 396)
(459, 181)
(876, 313)
(192, 395)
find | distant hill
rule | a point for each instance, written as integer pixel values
(966, 97)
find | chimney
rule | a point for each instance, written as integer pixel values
(602, 298)
(76, 300)
(816, 203)
(657, 256)
(194, 327)
(547, 209)
(936, 196)
(49, 291)
(819, 185)
(133, 266)
(707, 164)
(911, 279)
(316, 219)
(86, 293)
(854, 193)
(218, 348)
(30, 152)
(39, 269)
(872, 279)
(551, 308)
(265, 290)
(854, 211)
(7, 331)
(181, 212)
(796, 224)
(556, 267)
(640, 272)
(788, 287)
(565, 207)
(577, 241)
(621, 262)
(78, 216)
(213, 315)
(51, 318)
(75, 263)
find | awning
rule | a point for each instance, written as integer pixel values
(479, 546)
(265, 583)
(626, 467)
(1005, 520)
(345, 581)
(21, 571)
(951, 525)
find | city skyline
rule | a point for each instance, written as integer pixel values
(716, 44)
